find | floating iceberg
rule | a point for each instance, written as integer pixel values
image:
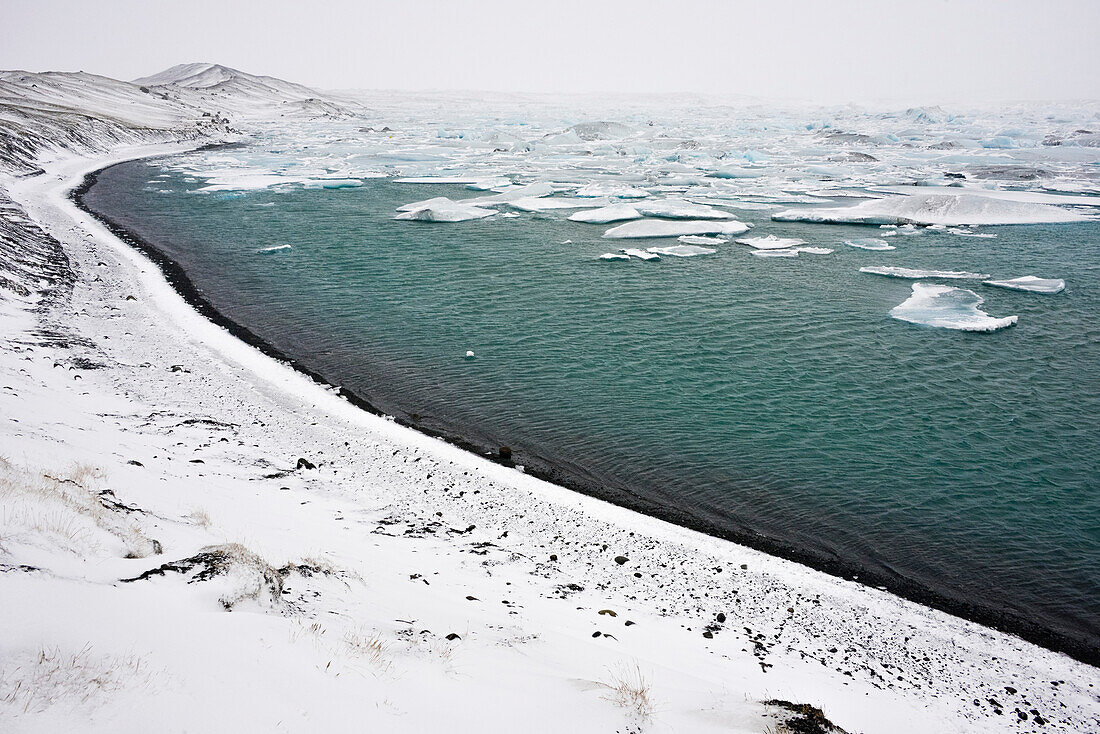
(443, 209)
(736, 172)
(678, 209)
(1030, 283)
(793, 252)
(698, 239)
(912, 273)
(276, 248)
(546, 203)
(437, 180)
(640, 254)
(607, 214)
(657, 228)
(947, 209)
(771, 242)
(869, 243)
(948, 308)
(681, 250)
(515, 193)
(614, 256)
(490, 184)
(333, 183)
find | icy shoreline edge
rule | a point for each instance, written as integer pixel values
(560, 476)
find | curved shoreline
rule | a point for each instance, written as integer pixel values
(176, 276)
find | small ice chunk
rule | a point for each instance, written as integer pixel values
(607, 214)
(276, 248)
(1031, 283)
(895, 272)
(640, 254)
(776, 253)
(771, 242)
(614, 256)
(970, 233)
(681, 250)
(793, 252)
(869, 243)
(736, 172)
(698, 239)
(445, 210)
(530, 191)
(948, 308)
(469, 354)
(679, 209)
(660, 228)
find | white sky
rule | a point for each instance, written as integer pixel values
(814, 50)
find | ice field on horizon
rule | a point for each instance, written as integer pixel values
(642, 168)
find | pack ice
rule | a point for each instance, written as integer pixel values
(948, 308)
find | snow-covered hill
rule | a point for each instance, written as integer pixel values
(43, 114)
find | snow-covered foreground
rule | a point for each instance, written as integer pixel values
(194, 537)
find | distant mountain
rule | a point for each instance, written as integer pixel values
(54, 111)
(218, 78)
(244, 94)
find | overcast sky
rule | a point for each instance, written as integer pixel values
(816, 50)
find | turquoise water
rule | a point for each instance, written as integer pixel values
(769, 398)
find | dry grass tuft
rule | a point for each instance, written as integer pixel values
(629, 689)
(66, 510)
(51, 677)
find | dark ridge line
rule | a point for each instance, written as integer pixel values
(1001, 620)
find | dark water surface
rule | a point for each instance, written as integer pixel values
(767, 399)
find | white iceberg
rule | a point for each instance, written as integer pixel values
(659, 228)
(679, 209)
(607, 214)
(546, 203)
(1030, 283)
(276, 248)
(698, 239)
(443, 209)
(640, 254)
(736, 172)
(869, 243)
(771, 242)
(912, 273)
(682, 250)
(948, 308)
(436, 180)
(614, 256)
(793, 252)
(946, 209)
(515, 193)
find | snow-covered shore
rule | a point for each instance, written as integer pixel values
(403, 584)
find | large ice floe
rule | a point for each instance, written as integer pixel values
(1030, 283)
(948, 308)
(442, 209)
(674, 228)
(607, 214)
(914, 273)
(946, 209)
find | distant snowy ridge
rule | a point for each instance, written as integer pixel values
(48, 113)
